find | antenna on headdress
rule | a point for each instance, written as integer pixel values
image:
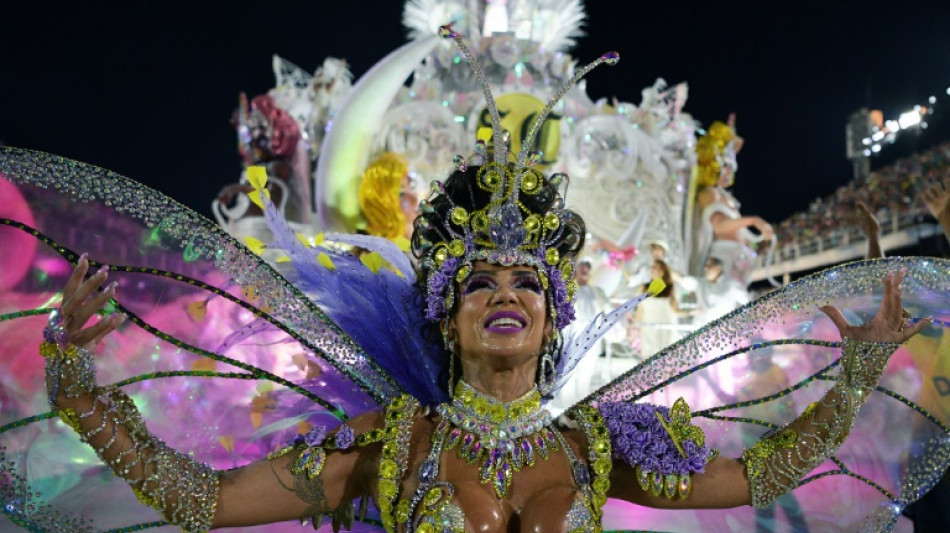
(501, 150)
(611, 58)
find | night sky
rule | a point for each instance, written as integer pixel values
(147, 90)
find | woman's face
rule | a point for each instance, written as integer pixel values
(501, 319)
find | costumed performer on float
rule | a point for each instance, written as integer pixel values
(720, 231)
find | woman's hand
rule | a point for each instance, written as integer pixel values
(937, 198)
(764, 228)
(890, 324)
(82, 299)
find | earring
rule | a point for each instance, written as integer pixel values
(450, 350)
(547, 374)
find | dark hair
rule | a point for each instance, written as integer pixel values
(666, 276)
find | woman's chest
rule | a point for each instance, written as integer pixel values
(460, 484)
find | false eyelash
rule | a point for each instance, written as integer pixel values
(478, 282)
(532, 285)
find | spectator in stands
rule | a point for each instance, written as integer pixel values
(937, 200)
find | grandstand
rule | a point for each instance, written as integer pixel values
(826, 234)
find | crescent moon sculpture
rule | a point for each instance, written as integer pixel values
(345, 149)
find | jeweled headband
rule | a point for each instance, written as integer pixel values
(515, 214)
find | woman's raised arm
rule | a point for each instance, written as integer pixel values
(775, 464)
(315, 477)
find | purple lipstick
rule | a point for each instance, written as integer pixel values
(506, 322)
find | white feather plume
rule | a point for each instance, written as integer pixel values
(562, 21)
(422, 18)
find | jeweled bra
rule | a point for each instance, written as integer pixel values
(503, 438)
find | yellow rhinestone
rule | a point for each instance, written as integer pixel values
(534, 402)
(463, 273)
(571, 289)
(389, 449)
(567, 268)
(601, 446)
(433, 496)
(491, 178)
(552, 256)
(441, 254)
(532, 223)
(481, 406)
(497, 413)
(601, 485)
(388, 468)
(551, 221)
(599, 500)
(402, 512)
(387, 488)
(425, 527)
(459, 216)
(529, 182)
(602, 466)
(480, 221)
(457, 248)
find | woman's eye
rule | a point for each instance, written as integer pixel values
(532, 285)
(478, 283)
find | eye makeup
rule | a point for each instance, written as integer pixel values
(520, 280)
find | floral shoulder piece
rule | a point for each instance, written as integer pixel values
(660, 443)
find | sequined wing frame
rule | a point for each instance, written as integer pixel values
(224, 356)
(757, 369)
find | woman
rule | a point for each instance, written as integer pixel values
(656, 316)
(719, 229)
(499, 320)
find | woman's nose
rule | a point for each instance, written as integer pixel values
(505, 293)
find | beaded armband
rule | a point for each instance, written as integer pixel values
(311, 451)
(598, 457)
(777, 463)
(312, 448)
(183, 490)
(660, 443)
(69, 364)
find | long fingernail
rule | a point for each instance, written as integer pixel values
(112, 286)
(85, 255)
(104, 269)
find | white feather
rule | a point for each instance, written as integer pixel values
(422, 18)
(562, 21)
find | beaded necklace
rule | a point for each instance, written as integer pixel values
(502, 437)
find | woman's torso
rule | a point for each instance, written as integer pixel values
(543, 497)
